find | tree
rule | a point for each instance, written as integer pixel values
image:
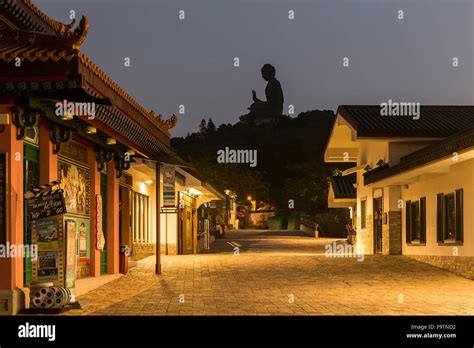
(211, 127)
(202, 127)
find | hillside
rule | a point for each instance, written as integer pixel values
(290, 162)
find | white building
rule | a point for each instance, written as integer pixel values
(414, 182)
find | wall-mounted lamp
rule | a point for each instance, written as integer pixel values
(67, 117)
(91, 130)
(110, 141)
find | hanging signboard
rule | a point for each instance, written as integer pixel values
(71, 245)
(169, 178)
(3, 198)
(46, 204)
(98, 225)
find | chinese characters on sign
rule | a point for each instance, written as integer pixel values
(169, 175)
(99, 232)
(71, 246)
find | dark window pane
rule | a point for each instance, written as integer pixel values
(450, 220)
(415, 220)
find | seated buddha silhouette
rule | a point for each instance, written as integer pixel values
(272, 107)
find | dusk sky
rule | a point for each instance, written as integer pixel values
(190, 61)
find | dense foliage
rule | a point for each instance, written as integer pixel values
(290, 163)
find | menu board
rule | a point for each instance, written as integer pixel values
(50, 204)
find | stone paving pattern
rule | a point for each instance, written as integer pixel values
(271, 270)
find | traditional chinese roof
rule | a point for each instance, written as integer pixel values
(343, 186)
(31, 35)
(436, 121)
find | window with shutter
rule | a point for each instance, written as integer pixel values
(450, 218)
(439, 217)
(459, 216)
(423, 220)
(408, 221)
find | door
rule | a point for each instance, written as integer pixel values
(31, 180)
(103, 192)
(189, 232)
(378, 211)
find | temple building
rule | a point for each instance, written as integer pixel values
(65, 121)
(412, 182)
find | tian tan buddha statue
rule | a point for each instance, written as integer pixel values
(264, 111)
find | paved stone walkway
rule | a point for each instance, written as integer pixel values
(279, 273)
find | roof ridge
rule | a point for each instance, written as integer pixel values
(77, 35)
(163, 125)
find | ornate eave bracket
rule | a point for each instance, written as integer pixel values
(102, 157)
(24, 117)
(121, 164)
(59, 136)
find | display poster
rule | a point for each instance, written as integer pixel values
(47, 265)
(47, 234)
(74, 181)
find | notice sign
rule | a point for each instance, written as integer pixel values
(71, 241)
(46, 204)
(3, 198)
(169, 178)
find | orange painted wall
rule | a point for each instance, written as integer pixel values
(11, 269)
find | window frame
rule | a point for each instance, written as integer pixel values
(420, 205)
(441, 218)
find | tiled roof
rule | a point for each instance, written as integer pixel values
(343, 186)
(443, 149)
(36, 46)
(436, 121)
(9, 50)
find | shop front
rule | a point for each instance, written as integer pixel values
(64, 121)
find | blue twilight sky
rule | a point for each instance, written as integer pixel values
(190, 61)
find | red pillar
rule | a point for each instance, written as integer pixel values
(48, 160)
(11, 269)
(112, 219)
(95, 190)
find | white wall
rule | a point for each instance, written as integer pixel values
(169, 228)
(461, 175)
